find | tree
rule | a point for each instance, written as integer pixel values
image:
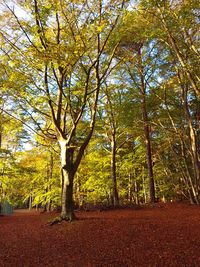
(57, 74)
(137, 54)
(114, 130)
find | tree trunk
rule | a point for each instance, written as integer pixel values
(146, 130)
(193, 143)
(149, 163)
(67, 172)
(189, 181)
(194, 153)
(78, 192)
(67, 205)
(136, 193)
(50, 178)
(30, 203)
(187, 172)
(113, 172)
(144, 189)
(0, 137)
(129, 188)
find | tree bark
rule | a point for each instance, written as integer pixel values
(144, 189)
(113, 172)
(0, 137)
(148, 150)
(188, 180)
(67, 172)
(30, 202)
(129, 188)
(67, 212)
(136, 192)
(193, 145)
(146, 129)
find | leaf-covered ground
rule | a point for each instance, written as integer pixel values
(165, 235)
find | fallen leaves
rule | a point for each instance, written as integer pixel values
(151, 236)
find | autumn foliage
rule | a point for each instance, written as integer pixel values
(159, 235)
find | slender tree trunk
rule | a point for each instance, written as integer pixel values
(144, 189)
(50, 178)
(146, 129)
(190, 191)
(193, 142)
(195, 161)
(30, 202)
(136, 192)
(1, 132)
(148, 153)
(188, 179)
(78, 192)
(113, 171)
(129, 188)
(0, 137)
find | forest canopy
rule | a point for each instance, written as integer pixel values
(99, 102)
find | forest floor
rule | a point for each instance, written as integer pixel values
(160, 236)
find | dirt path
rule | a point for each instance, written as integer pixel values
(162, 236)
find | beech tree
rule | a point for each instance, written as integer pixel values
(114, 130)
(139, 60)
(59, 54)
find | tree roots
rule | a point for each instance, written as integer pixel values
(61, 218)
